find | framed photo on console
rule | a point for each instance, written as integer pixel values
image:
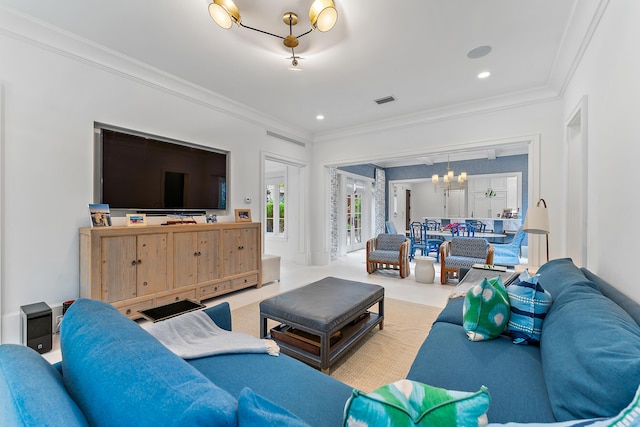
(100, 215)
(243, 215)
(136, 220)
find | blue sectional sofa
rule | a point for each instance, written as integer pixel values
(114, 373)
(586, 366)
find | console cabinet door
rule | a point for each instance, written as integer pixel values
(118, 266)
(151, 264)
(196, 257)
(209, 256)
(240, 251)
(185, 259)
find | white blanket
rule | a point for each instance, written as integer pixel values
(193, 335)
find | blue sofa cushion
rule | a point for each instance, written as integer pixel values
(629, 416)
(560, 274)
(316, 398)
(627, 304)
(590, 346)
(257, 411)
(32, 392)
(529, 306)
(120, 375)
(452, 312)
(411, 403)
(447, 359)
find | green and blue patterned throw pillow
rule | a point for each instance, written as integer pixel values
(410, 403)
(529, 306)
(486, 310)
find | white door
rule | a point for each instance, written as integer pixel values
(354, 204)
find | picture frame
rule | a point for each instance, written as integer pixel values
(136, 220)
(100, 215)
(243, 215)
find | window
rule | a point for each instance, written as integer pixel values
(275, 206)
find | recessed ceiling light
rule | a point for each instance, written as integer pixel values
(479, 52)
(484, 75)
(320, 117)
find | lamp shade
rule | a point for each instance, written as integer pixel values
(323, 15)
(537, 220)
(224, 13)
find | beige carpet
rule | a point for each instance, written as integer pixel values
(382, 357)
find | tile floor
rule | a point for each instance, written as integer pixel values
(352, 267)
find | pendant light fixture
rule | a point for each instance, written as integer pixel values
(322, 16)
(449, 177)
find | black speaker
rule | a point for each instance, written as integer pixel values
(36, 323)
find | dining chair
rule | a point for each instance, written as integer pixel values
(463, 230)
(433, 242)
(418, 239)
(480, 226)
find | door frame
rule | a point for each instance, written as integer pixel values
(367, 202)
(297, 237)
(576, 157)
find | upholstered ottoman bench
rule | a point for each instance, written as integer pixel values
(322, 320)
(270, 268)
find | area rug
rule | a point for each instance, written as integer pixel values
(382, 357)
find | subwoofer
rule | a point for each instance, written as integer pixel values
(36, 323)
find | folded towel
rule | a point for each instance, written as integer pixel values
(193, 335)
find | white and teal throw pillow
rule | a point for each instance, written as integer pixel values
(410, 403)
(486, 310)
(529, 306)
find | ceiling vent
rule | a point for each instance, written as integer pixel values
(285, 138)
(384, 100)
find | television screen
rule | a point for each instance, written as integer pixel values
(144, 173)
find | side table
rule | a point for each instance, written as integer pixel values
(425, 273)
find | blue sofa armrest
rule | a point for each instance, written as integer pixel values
(220, 314)
(32, 392)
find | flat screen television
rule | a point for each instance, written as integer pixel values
(152, 174)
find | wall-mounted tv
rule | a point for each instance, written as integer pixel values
(141, 172)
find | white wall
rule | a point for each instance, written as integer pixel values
(608, 76)
(51, 100)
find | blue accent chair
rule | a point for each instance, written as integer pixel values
(508, 253)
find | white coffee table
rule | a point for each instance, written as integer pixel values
(425, 273)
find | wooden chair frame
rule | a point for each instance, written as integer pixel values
(403, 259)
(445, 251)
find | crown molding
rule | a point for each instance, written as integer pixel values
(453, 112)
(582, 24)
(45, 36)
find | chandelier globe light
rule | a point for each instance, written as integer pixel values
(224, 13)
(322, 17)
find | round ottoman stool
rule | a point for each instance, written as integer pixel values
(425, 273)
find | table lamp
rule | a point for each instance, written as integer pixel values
(537, 221)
